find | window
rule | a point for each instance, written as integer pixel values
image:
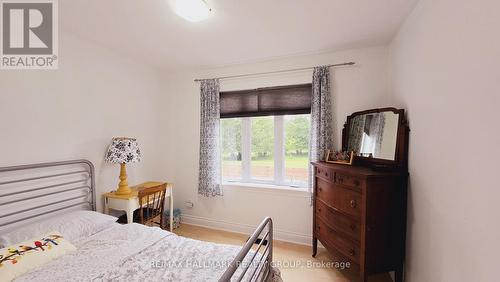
(265, 135)
(269, 149)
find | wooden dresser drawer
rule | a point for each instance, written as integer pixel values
(337, 240)
(340, 198)
(338, 221)
(347, 180)
(325, 173)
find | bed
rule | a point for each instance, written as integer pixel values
(61, 195)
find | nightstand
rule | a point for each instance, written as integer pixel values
(129, 203)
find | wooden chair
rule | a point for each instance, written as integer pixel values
(152, 202)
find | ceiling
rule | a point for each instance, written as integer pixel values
(237, 31)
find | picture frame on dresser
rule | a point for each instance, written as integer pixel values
(339, 157)
(359, 211)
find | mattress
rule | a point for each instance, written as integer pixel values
(135, 252)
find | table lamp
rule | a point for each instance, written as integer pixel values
(122, 151)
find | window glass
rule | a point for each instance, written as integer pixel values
(297, 128)
(262, 149)
(231, 148)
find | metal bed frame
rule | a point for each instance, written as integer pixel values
(262, 269)
(46, 198)
(49, 198)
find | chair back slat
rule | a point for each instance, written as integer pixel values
(152, 202)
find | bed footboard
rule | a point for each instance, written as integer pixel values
(258, 266)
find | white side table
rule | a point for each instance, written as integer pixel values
(129, 203)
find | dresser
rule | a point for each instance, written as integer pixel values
(360, 217)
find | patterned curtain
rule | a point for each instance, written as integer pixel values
(209, 181)
(321, 137)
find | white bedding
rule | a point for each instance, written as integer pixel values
(134, 252)
(73, 226)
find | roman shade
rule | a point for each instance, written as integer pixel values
(280, 100)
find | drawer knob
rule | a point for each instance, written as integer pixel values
(326, 174)
(319, 209)
(352, 226)
(353, 203)
(319, 188)
(352, 252)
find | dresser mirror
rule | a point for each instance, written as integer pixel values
(377, 136)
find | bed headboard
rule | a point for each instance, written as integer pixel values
(32, 192)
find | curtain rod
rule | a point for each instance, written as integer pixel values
(271, 72)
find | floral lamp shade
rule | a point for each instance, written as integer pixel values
(123, 150)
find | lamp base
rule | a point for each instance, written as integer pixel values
(123, 191)
(123, 188)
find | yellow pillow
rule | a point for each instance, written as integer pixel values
(20, 258)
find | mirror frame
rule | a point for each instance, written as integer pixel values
(401, 153)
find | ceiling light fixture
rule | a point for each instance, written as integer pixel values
(192, 10)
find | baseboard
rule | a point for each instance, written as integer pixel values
(281, 235)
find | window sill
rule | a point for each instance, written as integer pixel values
(270, 187)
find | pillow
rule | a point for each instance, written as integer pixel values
(20, 258)
(73, 226)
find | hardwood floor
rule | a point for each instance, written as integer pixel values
(296, 257)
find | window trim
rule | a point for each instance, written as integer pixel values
(279, 157)
(264, 186)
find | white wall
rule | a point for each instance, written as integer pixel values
(73, 112)
(242, 208)
(446, 74)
